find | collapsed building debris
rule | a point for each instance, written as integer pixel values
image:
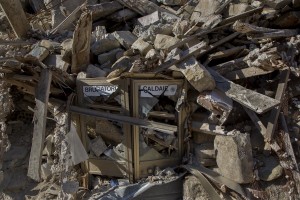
(165, 99)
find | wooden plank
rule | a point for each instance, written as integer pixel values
(257, 102)
(246, 73)
(16, 17)
(241, 16)
(40, 118)
(199, 49)
(166, 128)
(68, 21)
(81, 43)
(290, 151)
(272, 123)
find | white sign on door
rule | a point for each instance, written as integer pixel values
(157, 90)
(99, 90)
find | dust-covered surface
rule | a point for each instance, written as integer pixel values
(164, 99)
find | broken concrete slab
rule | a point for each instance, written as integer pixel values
(234, 157)
(164, 41)
(106, 44)
(147, 20)
(171, 2)
(142, 46)
(196, 74)
(98, 146)
(111, 56)
(204, 9)
(125, 38)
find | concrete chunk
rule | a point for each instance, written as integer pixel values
(196, 74)
(125, 38)
(106, 44)
(98, 146)
(149, 19)
(142, 46)
(111, 56)
(234, 157)
(164, 41)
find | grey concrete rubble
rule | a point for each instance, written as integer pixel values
(149, 99)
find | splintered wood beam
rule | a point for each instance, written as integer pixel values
(272, 123)
(40, 118)
(200, 49)
(255, 101)
(246, 73)
(16, 17)
(81, 43)
(241, 16)
(162, 127)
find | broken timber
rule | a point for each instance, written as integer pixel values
(257, 102)
(81, 43)
(40, 118)
(165, 128)
(199, 49)
(272, 123)
(16, 17)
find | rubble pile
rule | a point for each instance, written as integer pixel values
(197, 95)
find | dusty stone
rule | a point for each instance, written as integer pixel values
(66, 51)
(203, 9)
(196, 74)
(193, 190)
(234, 157)
(92, 72)
(111, 56)
(125, 38)
(109, 132)
(57, 62)
(98, 146)
(271, 168)
(106, 44)
(124, 62)
(149, 19)
(164, 41)
(142, 46)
